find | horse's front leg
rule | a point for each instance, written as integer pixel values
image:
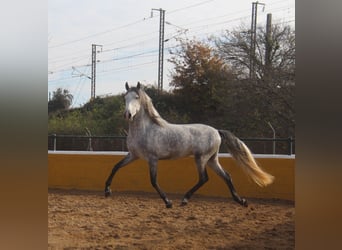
(128, 159)
(153, 163)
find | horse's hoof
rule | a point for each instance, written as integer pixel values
(184, 202)
(108, 192)
(244, 202)
(169, 205)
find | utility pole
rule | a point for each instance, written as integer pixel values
(161, 47)
(93, 70)
(268, 46)
(253, 39)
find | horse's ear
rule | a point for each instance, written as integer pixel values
(138, 85)
(126, 85)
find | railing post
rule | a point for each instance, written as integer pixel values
(290, 145)
(54, 142)
(90, 148)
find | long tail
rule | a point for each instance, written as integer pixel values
(245, 159)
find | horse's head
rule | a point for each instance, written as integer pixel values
(132, 101)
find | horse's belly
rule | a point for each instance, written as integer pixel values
(160, 150)
(174, 154)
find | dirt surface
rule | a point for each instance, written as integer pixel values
(88, 220)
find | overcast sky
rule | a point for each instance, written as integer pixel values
(130, 37)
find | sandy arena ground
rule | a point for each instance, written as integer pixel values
(88, 220)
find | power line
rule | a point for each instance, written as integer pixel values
(123, 26)
(190, 6)
(124, 68)
(97, 34)
(192, 30)
(113, 49)
(80, 86)
(139, 54)
(111, 60)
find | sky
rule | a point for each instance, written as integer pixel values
(129, 37)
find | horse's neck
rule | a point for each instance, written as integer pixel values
(140, 123)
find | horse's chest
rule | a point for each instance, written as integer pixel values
(137, 146)
(131, 143)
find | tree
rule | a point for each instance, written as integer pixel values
(101, 116)
(272, 89)
(200, 80)
(61, 100)
(235, 48)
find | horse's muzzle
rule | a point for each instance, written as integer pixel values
(128, 115)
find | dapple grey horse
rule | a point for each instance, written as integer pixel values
(152, 138)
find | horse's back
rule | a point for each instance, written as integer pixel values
(201, 138)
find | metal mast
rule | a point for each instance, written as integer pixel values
(253, 39)
(161, 48)
(93, 70)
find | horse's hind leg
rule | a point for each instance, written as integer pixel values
(215, 165)
(153, 175)
(203, 178)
